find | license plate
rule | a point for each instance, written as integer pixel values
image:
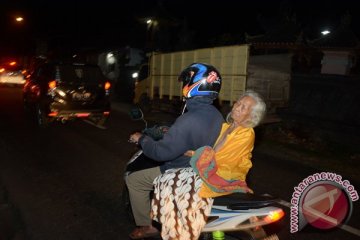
(81, 96)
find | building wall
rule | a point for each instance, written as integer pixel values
(327, 98)
(270, 76)
(336, 62)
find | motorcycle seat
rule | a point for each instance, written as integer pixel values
(244, 201)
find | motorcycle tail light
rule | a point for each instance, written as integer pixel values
(258, 221)
(274, 216)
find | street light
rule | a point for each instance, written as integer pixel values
(151, 25)
(110, 58)
(19, 19)
(325, 32)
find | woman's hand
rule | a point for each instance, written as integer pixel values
(189, 153)
(134, 138)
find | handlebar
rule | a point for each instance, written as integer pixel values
(156, 132)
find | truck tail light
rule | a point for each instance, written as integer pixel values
(52, 85)
(107, 85)
(53, 114)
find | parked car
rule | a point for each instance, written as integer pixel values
(63, 92)
(11, 75)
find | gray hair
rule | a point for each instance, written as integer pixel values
(258, 111)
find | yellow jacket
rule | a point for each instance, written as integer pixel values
(233, 158)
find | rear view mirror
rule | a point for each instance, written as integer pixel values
(136, 114)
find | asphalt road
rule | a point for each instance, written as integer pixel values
(66, 181)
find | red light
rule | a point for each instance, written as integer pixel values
(82, 115)
(106, 113)
(35, 89)
(26, 84)
(12, 63)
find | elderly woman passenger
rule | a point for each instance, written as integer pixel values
(183, 197)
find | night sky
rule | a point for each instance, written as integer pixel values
(108, 23)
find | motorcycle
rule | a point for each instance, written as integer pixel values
(235, 216)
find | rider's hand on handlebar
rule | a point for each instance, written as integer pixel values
(134, 138)
(189, 153)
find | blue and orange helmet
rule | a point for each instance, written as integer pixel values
(200, 79)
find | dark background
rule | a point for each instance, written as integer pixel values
(182, 24)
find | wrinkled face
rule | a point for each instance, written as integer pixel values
(241, 110)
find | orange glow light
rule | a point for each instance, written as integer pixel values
(12, 63)
(107, 86)
(2, 70)
(82, 114)
(52, 84)
(53, 114)
(274, 216)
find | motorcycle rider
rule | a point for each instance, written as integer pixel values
(216, 171)
(197, 127)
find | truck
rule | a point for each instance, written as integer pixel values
(157, 84)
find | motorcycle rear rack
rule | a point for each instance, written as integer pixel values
(244, 201)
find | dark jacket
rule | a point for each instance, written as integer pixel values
(199, 126)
